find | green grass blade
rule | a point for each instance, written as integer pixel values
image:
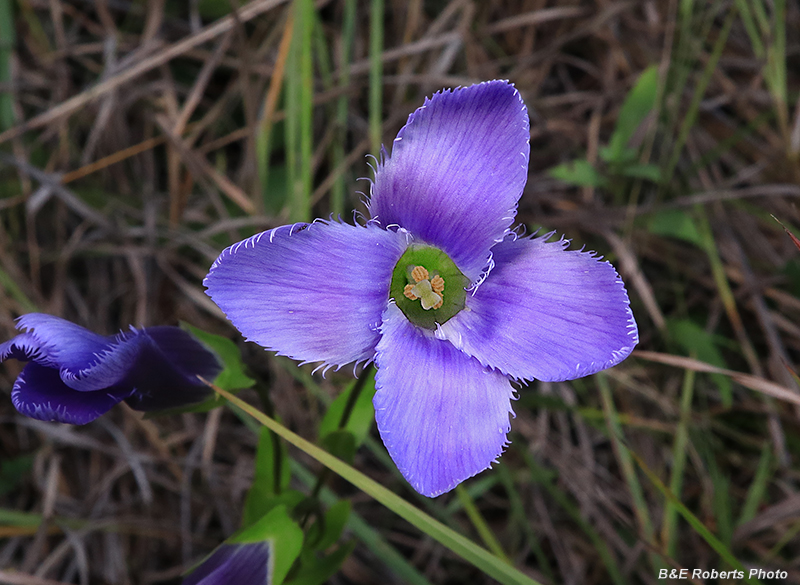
(299, 112)
(628, 469)
(475, 516)
(518, 516)
(373, 539)
(690, 117)
(751, 27)
(7, 42)
(466, 549)
(541, 476)
(758, 489)
(669, 534)
(376, 76)
(305, 22)
(339, 189)
(701, 529)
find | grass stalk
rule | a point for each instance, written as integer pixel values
(669, 533)
(628, 469)
(376, 76)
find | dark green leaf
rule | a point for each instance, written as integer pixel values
(638, 104)
(361, 417)
(232, 376)
(578, 172)
(700, 344)
(286, 535)
(317, 571)
(340, 443)
(675, 223)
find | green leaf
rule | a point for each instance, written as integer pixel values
(213, 9)
(260, 502)
(361, 416)
(272, 456)
(232, 376)
(701, 529)
(650, 172)
(285, 534)
(272, 475)
(317, 571)
(340, 443)
(578, 172)
(675, 223)
(697, 342)
(335, 520)
(12, 471)
(638, 104)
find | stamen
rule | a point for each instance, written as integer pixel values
(419, 273)
(437, 283)
(408, 291)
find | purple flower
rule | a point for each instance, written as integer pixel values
(436, 288)
(75, 376)
(234, 564)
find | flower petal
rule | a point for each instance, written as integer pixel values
(166, 368)
(456, 172)
(230, 564)
(545, 312)
(53, 340)
(40, 393)
(314, 292)
(442, 416)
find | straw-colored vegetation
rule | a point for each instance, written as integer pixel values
(139, 138)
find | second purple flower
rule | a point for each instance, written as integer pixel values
(436, 288)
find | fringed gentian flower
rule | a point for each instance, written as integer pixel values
(75, 376)
(234, 564)
(450, 303)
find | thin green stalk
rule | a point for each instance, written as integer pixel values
(475, 516)
(376, 76)
(339, 189)
(306, 28)
(463, 547)
(690, 117)
(542, 478)
(668, 532)
(776, 67)
(299, 112)
(8, 41)
(725, 291)
(371, 538)
(758, 489)
(517, 512)
(701, 529)
(628, 469)
(348, 410)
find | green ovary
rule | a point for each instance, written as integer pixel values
(428, 287)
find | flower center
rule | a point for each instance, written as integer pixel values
(418, 286)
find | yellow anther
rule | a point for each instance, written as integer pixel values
(419, 273)
(437, 283)
(409, 292)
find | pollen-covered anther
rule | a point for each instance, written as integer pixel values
(437, 284)
(408, 291)
(419, 273)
